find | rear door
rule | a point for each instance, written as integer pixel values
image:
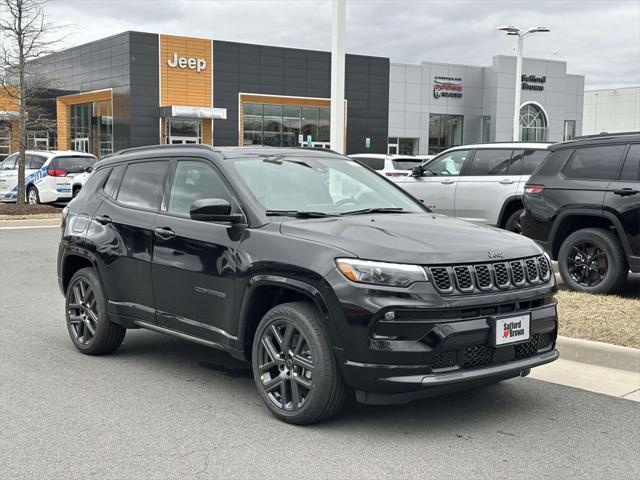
(486, 184)
(436, 187)
(194, 262)
(123, 230)
(623, 198)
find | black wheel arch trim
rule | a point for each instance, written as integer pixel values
(309, 290)
(576, 212)
(73, 251)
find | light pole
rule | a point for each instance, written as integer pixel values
(513, 30)
(336, 128)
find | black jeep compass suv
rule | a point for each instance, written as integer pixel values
(583, 206)
(319, 272)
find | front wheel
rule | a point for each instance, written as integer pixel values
(593, 260)
(90, 329)
(294, 367)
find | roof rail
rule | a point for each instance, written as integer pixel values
(606, 135)
(151, 147)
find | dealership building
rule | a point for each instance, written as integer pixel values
(137, 88)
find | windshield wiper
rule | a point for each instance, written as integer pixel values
(375, 210)
(297, 214)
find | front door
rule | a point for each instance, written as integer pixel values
(9, 174)
(194, 262)
(486, 184)
(436, 187)
(623, 199)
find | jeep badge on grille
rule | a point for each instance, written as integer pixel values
(496, 254)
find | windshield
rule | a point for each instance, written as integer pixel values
(322, 185)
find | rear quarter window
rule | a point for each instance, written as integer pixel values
(532, 159)
(595, 163)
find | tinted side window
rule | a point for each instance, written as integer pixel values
(490, 162)
(631, 168)
(111, 185)
(371, 162)
(194, 181)
(35, 162)
(532, 159)
(94, 181)
(142, 184)
(597, 163)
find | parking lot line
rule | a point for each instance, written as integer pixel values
(24, 227)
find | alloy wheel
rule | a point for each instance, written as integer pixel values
(285, 365)
(516, 227)
(83, 316)
(32, 197)
(587, 264)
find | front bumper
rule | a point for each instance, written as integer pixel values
(399, 346)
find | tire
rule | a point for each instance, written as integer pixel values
(320, 389)
(33, 197)
(87, 323)
(76, 191)
(593, 254)
(513, 222)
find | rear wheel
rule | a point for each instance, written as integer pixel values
(76, 191)
(33, 197)
(294, 368)
(89, 327)
(513, 222)
(593, 260)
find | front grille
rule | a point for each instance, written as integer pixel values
(476, 356)
(486, 277)
(481, 355)
(445, 359)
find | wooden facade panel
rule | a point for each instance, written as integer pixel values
(185, 86)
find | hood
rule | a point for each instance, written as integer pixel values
(426, 239)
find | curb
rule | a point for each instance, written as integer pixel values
(30, 222)
(598, 353)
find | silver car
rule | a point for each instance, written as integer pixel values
(480, 183)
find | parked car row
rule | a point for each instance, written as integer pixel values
(50, 176)
(582, 203)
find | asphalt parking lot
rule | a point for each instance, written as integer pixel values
(164, 408)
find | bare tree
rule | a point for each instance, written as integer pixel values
(26, 39)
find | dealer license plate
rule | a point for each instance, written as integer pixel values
(512, 329)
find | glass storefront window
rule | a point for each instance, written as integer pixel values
(91, 127)
(533, 124)
(569, 130)
(486, 129)
(281, 125)
(445, 131)
(5, 138)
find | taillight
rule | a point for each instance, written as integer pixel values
(531, 189)
(56, 173)
(396, 174)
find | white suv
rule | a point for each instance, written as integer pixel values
(49, 176)
(388, 165)
(480, 183)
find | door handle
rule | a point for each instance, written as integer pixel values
(625, 192)
(446, 182)
(103, 219)
(164, 232)
(506, 181)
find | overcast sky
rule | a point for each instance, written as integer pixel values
(599, 39)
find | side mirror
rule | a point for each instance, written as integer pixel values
(213, 210)
(417, 171)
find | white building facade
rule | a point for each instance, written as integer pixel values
(611, 110)
(435, 106)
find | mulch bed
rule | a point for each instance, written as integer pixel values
(11, 209)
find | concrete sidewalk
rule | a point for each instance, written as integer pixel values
(595, 378)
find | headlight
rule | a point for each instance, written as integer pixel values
(381, 273)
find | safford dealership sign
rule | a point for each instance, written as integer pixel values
(450, 87)
(533, 82)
